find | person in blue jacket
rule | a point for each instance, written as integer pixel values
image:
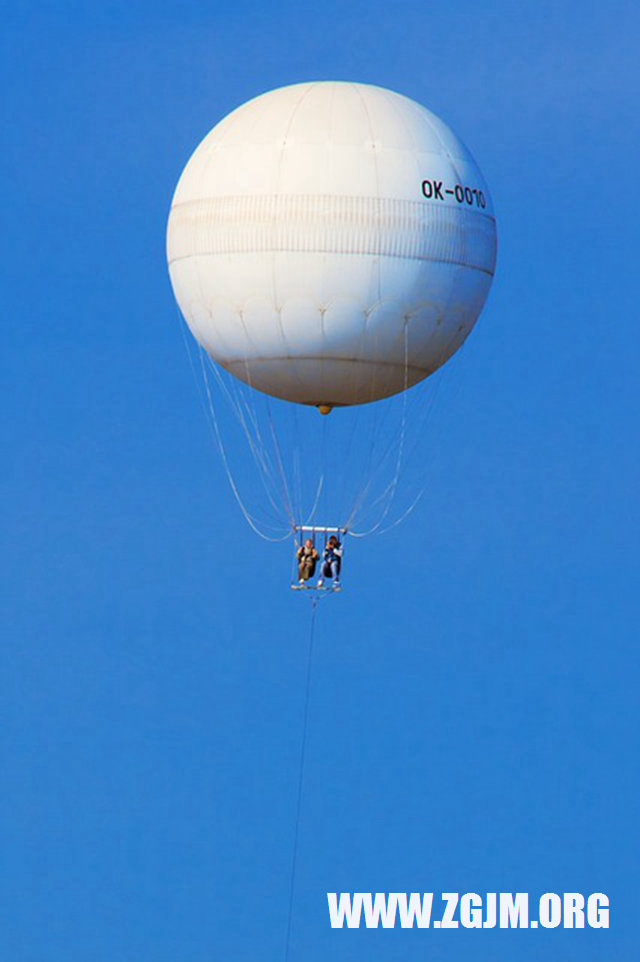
(331, 562)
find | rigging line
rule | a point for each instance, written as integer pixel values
(443, 376)
(314, 607)
(391, 488)
(423, 423)
(223, 454)
(422, 489)
(250, 403)
(241, 397)
(373, 473)
(182, 325)
(256, 445)
(374, 432)
(296, 484)
(382, 412)
(237, 398)
(208, 407)
(425, 416)
(316, 501)
(296, 458)
(388, 449)
(248, 422)
(211, 420)
(369, 471)
(249, 517)
(277, 522)
(235, 404)
(306, 490)
(351, 437)
(405, 514)
(283, 477)
(285, 489)
(396, 478)
(382, 461)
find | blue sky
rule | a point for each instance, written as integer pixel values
(473, 718)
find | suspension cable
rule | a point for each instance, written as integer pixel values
(251, 521)
(389, 494)
(259, 452)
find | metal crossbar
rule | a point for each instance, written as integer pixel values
(319, 529)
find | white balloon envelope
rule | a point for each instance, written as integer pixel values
(331, 243)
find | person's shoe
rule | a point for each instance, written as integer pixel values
(301, 582)
(336, 583)
(320, 582)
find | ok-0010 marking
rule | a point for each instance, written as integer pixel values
(435, 190)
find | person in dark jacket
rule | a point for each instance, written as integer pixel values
(307, 560)
(331, 562)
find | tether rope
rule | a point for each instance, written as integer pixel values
(314, 606)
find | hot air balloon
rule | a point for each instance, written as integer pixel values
(331, 244)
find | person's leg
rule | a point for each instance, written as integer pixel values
(334, 570)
